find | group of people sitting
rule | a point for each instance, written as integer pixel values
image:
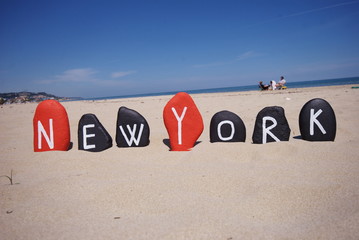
(273, 85)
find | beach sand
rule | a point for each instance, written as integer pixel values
(286, 190)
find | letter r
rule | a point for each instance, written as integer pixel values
(266, 131)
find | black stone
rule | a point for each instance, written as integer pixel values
(96, 137)
(226, 126)
(132, 129)
(280, 131)
(317, 121)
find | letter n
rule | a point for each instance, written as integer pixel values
(42, 132)
(51, 127)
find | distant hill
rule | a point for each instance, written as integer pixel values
(24, 97)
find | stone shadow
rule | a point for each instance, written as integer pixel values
(167, 142)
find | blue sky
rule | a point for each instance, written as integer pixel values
(111, 48)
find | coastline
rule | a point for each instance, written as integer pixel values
(290, 85)
(295, 189)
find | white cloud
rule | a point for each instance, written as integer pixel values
(74, 75)
(77, 75)
(122, 74)
(243, 56)
(310, 11)
(213, 64)
(113, 83)
(88, 76)
(247, 55)
(320, 9)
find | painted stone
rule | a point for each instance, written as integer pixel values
(271, 126)
(317, 121)
(132, 129)
(92, 136)
(183, 122)
(51, 127)
(226, 126)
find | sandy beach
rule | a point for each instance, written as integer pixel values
(287, 190)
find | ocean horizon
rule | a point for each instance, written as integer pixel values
(300, 84)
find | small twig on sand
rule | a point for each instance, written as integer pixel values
(10, 178)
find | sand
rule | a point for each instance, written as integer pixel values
(287, 190)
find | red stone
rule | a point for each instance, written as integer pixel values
(51, 127)
(183, 122)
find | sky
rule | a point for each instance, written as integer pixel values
(114, 48)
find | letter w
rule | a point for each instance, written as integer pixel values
(132, 134)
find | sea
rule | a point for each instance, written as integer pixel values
(301, 84)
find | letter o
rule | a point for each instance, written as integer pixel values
(219, 130)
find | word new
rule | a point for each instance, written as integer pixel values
(184, 125)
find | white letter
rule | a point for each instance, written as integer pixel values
(85, 136)
(179, 124)
(132, 134)
(219, 130)
(313, 119)
(41, 130)
(267, 130)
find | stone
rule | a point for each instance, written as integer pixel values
(317, 121)
(132, 129)
(226, 126)
(51, 127)
(92, 136)
(271, 126)
(183, 122)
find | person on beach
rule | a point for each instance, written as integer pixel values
(262, 86)
(273, 85)
(281, 82)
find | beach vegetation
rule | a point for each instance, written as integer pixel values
(9, 177)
